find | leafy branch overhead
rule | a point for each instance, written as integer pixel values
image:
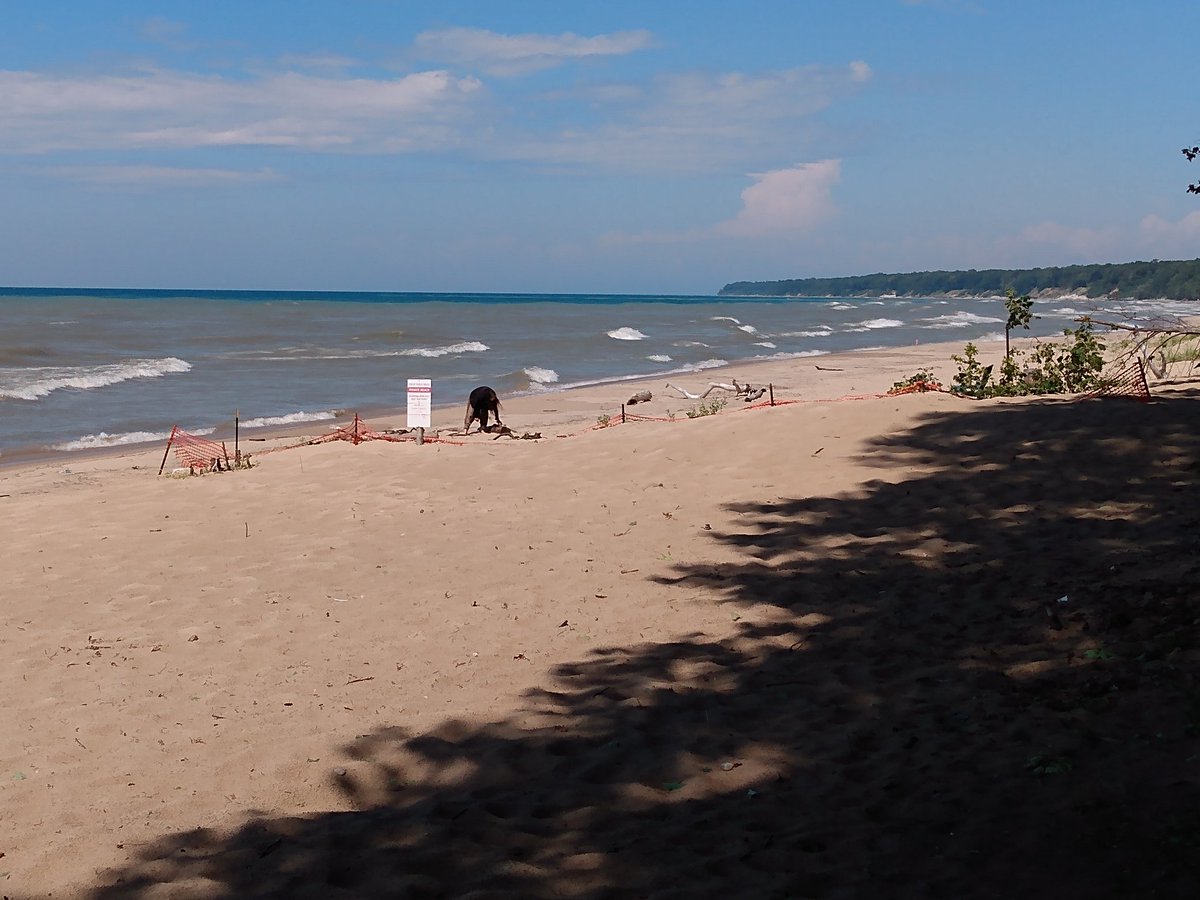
(1191, 153)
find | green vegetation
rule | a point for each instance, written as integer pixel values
(707, 409)
(1020, 314)
(1157, 279)
(1066, 367)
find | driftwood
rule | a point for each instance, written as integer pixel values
(1149, 339)
(745, 391)
(640, 397)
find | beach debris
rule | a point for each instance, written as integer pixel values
(672, 786)
(505, 431)
(747, 392)
(828, 369)
(729, 766)
(640, 397)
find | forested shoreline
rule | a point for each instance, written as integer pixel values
(1157, 279)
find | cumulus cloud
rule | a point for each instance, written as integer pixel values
(518, 54)
(786, 201)
(154, 108)
(780, 204)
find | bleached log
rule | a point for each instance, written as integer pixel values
(687, 395)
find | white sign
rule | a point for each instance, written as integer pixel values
(420, 402)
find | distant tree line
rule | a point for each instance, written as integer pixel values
(1157, 279)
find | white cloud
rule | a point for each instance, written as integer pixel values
(517, 54)
(1157, 230)
(783, 203)
(154, 108)
(860, 71)
(786, 201)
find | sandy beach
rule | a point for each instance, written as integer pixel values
(854, 645)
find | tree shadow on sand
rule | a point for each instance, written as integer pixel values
(909, 709)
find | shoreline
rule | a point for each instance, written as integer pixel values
(825, 376)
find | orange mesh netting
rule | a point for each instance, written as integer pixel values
(1129, 382)
(195, 452)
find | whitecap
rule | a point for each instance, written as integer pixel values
(659, 357)
(289, 419)
(749, 329)
(726, 319)
(809, 334)
(104, 439)
(538, 375)
(35, 383)
(871, 324)
(766, 344)
(626, 334)
(959, 320)
(463, 347)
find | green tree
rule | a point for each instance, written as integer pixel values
(1020, 314)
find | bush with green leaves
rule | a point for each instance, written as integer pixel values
(973, 378)
(707, 409)
(1066, 367)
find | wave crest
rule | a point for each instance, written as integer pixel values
(35, 383)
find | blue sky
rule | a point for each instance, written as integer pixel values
(624, 147)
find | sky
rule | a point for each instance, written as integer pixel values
(550, 146)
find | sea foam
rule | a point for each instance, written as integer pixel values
(959, 320)
(538, 375)
(873, 324)
(35, 383)
(103, 439)
(626, 334)
(289, 419)
(463, 347)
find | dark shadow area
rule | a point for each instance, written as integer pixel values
(918, 716)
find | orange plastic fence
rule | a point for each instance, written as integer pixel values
(1129, 382)
(195, 452)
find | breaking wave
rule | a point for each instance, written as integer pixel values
(35, 383)
(103, 439)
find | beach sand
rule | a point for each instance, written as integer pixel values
(909, 646)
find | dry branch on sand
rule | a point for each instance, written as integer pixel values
(745, 391)
(1158, 341)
